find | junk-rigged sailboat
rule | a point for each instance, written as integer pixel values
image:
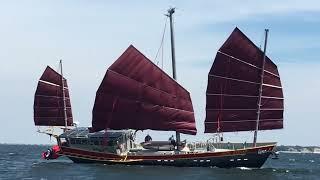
(135, 95)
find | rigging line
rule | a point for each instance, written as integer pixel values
(162, 54)
(261, 41)
(161, 43)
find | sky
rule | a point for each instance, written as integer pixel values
(90, 35)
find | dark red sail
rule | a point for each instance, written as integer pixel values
(136, 94)
(233, 89)
(48, 101)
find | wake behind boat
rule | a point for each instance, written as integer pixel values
(244, 94)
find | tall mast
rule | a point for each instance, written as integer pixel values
(64, 100)
(260, 89)
(173, 55)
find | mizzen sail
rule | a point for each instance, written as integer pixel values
(233, 89)
(136, 94)
(48, 101)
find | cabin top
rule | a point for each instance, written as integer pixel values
(82, 132)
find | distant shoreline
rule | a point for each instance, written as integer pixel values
(298, 149)
(296, 152)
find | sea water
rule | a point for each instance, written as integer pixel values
(24, 162)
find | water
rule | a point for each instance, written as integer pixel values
(24, 162)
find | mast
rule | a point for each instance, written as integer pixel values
(260, 89)
(63, 100)
(173, 55)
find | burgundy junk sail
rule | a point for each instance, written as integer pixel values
(136, 94)
(48, 101)
(233, 89)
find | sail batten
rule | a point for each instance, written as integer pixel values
(239, 60)
(233, 89)
(233, 79)
(243, 120)
(136, 94)
(243, 95)
(142, 84)
(48, 101)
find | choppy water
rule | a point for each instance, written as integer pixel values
(24, 162)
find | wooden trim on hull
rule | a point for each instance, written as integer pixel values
(250, 157)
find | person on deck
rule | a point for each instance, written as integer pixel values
(172, 141)
(148, 138)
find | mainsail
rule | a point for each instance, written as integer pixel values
(48, 101)
(233, 89)
(136, 94)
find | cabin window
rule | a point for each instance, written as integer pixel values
(112, 143)
(64, 141)
(96, 142)
(84, 141)
(78, 141)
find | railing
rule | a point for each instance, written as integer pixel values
(230, 146)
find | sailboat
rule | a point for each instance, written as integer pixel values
(244, 94)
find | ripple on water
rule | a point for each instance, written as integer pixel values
(244, 168)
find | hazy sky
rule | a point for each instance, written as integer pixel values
(89, 35)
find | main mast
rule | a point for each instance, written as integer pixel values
(173, 55)
(260, 89)
(63, 100)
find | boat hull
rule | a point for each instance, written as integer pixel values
(250, 157)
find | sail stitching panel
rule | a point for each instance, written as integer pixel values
(228, 78)
(143, 84)
(239, 60)
(56, 97)
(262, 109)
(242, 120)
(242, 95)
(50, 83)
(273, 86)
(131, 47)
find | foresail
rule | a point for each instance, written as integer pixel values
(136, 94)
(48, 101)
(233, 89)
